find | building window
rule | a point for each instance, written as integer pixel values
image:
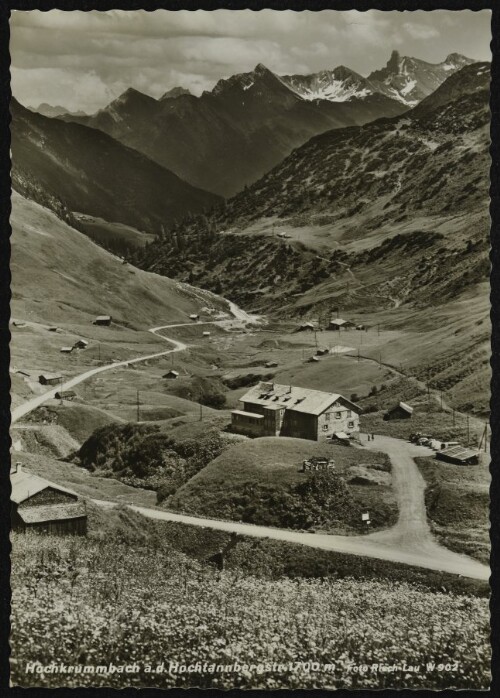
(351, 425)
(327, 416)
(325, 427)
(349, 413)
(338, 415)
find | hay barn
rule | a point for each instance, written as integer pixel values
(42, 506)
(399, 411)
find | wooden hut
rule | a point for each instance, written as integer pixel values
(42, 506)
(399, 411)
(49, 378)
(102, 320)
(65, 395)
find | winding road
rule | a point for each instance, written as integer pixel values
(410, 541)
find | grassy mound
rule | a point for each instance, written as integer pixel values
(259, 481)
(78, 419)
(457, 500)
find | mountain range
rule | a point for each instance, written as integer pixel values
(344, 192)
(407, 80)
(72, 168)
(227, 138)
(57, 110)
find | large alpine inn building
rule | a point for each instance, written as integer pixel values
(271, 409)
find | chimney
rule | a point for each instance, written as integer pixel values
(16, 468)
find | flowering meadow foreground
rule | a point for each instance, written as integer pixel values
(89, 604)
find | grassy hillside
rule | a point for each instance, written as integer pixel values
(178, 609)
(457, 500)
(61, 279)
(59, 276)
(258, 481)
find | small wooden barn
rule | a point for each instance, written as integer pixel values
(80, 344)
(271, 364)
(42, 506)
(194, 316)
(171, 374)
(65, 395)
(306, 327)
(66, 350)
(49, 378)
(399, 411)
(206, 334)
(102, 320)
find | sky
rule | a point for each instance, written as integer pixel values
(83, 60)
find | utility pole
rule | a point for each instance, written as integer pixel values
(468, 431)
(316, 338)
(138, 405)
(453, 410)
(99, 350)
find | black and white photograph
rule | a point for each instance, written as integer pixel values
(250, 346)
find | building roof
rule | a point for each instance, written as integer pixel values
(52, 512)
(103, 317)
(338, 321)
(404, 406)
(67, 349)
(25, 485)
(292, 398)
(172, 372)
(242, 413)
(459, 453)
(50, 376)
(65, 393)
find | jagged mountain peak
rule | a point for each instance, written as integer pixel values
(410, 79)
(338, 85)
(394, 61)
(261, 69)
(132, 94)
(260, 75)
(457, 58)
(174, 93)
